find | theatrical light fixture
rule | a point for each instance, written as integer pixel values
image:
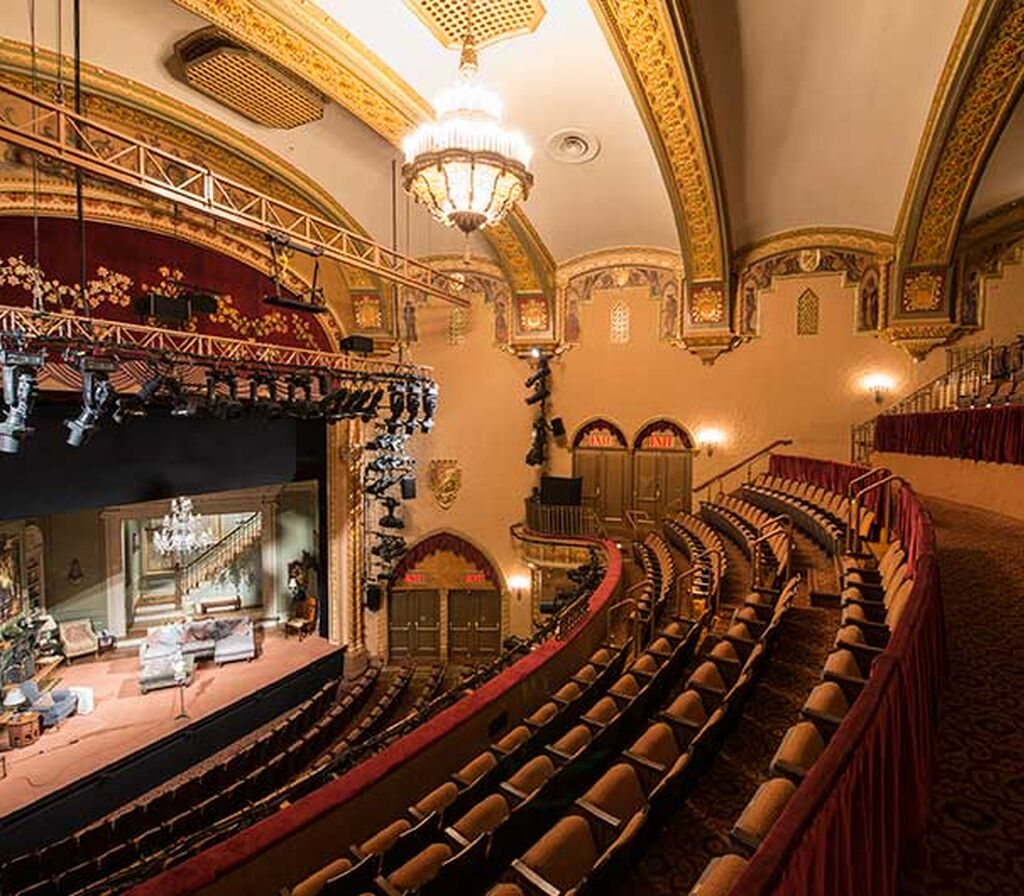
(878, 384)
(20, 372)
(430, 396)
(538, 453)
(98, 397)
(389, 520)
(709, 438)
(538, 381)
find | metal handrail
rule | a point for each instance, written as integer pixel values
(783, 523)
(746, 462)
(716, 584)
(853, 538)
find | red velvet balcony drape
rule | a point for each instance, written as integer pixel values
(990, 434)
(866, 799)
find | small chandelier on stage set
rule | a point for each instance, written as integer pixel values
(182, 532)
(466, 168)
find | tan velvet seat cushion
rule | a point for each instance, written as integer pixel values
(660, 646)
(626, 686)
(706, 675)
(515, 738)
(421, 868)
(801, 746)
(574, 740)
(316, 882)
(505, 890)
(483, 818)
(646, 663)
(740, 632)
(617, 792)
(532, 775)
(474, 770)
(765, 807)
(842, 662)
(675, 630)
(723, 650)
(385, 838)
(687, 708)
(828, 699)
(719, 876)
(438, 798)
(565, 854)
(568, 692)
(657, 744)
(544, 714)
(603, 711)
(588, 673)
(601, 657)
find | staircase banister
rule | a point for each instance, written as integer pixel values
(742, 463)
(195, 564)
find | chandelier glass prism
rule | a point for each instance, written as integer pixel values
(182, 532)
(466, 167)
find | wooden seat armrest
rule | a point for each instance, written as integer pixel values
(851, 686)
(559, 756)
(597, 726)
(643, 762)
(790, 770)
(514, 792)
(456, 838)
(864, 653)
(598, 814)
(532, 879)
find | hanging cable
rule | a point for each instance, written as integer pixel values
(37, 274)
(79, 203)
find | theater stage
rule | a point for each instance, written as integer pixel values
(126, 721)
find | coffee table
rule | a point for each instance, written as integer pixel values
(161, 673)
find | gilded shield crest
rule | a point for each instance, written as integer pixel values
(445, 480)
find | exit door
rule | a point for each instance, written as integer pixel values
(414, 625)
(662, 482)
(474, 624)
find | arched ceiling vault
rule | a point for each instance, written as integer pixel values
(313, 45)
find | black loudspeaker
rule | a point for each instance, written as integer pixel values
(563, 490)
(362, 345)
(557, 427)
(408, 488)
(374, 596)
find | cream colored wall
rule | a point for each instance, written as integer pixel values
(779, 385)
(68, 537)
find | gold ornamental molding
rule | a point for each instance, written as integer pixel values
(866, 242)
(1005, 221)
(313, 45)
(625, 256)
(653, 43)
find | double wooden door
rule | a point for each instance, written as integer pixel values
(662, 482)
(414, 625)
(474, 624)
(606, 481)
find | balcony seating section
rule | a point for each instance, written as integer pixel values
(694, 538)
(1008, 388)
(147, 827)
(821, 514)
(488, 810)
(745, 523)
(849, 779)
(588, 848)
(659, 568)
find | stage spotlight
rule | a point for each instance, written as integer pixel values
(396, 401)
(537, 454)
(265, 402)
(538, 381)
(389, 520)
(98, 397)
(370, 411)
(430, 396)
(19, 392)
(412, 401)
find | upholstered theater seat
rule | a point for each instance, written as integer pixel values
(719, 876)
(602, 712)
(761, 812)
(437, 800)
(656, 745)
(474, 770)
(686, 714)
(645, 666)
(542, 716)
(313, 884)
(708, 680)
(483, 818)
(627, 686)
(532, 776)
(567, 693)
(601, 657)
(572, 742)
(801, 746)
(661, 647)
(385, 838)
(505, 890)
(565, 854)
(586, 675)
(826, 704)
(513, 740)
(617, 793)
(420, 869)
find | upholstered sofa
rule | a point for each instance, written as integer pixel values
(53, 705)
(223, 640)
(77, 638)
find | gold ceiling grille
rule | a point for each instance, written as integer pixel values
(493, 20)
(247, 82)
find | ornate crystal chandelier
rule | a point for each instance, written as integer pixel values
(181, 533)
(466, 168)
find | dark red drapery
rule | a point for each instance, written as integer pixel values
(866, 799)
(990, 434)
(829, 474)
(445, 541)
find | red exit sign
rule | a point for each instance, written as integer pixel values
(475, 578)
(415, 578)
(661, 440)
(601, 440)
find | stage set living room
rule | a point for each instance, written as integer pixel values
(511, 447)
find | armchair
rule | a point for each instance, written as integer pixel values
(53, 706)
(77, 638)
(302, 617)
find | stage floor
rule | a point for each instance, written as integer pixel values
(125, 720)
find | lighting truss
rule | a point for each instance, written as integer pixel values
(45, 127)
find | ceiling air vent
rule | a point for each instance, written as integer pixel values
(492, 21)
(245, 81)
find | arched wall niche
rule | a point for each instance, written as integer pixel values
(446, 601)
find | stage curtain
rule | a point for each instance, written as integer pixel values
(995, 435)
(865, 801)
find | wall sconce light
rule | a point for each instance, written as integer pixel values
(709, 438)
(879, 384)
(519, 584)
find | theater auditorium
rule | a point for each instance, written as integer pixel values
(511, 447)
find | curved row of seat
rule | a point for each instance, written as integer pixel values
(812, 514)
(659, 568)
(702, 546)
(879, 591)
(147, 827)
(754, 530)
(510, 765)
(995, 393)
(587, 850)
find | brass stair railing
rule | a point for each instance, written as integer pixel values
(747, 462)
